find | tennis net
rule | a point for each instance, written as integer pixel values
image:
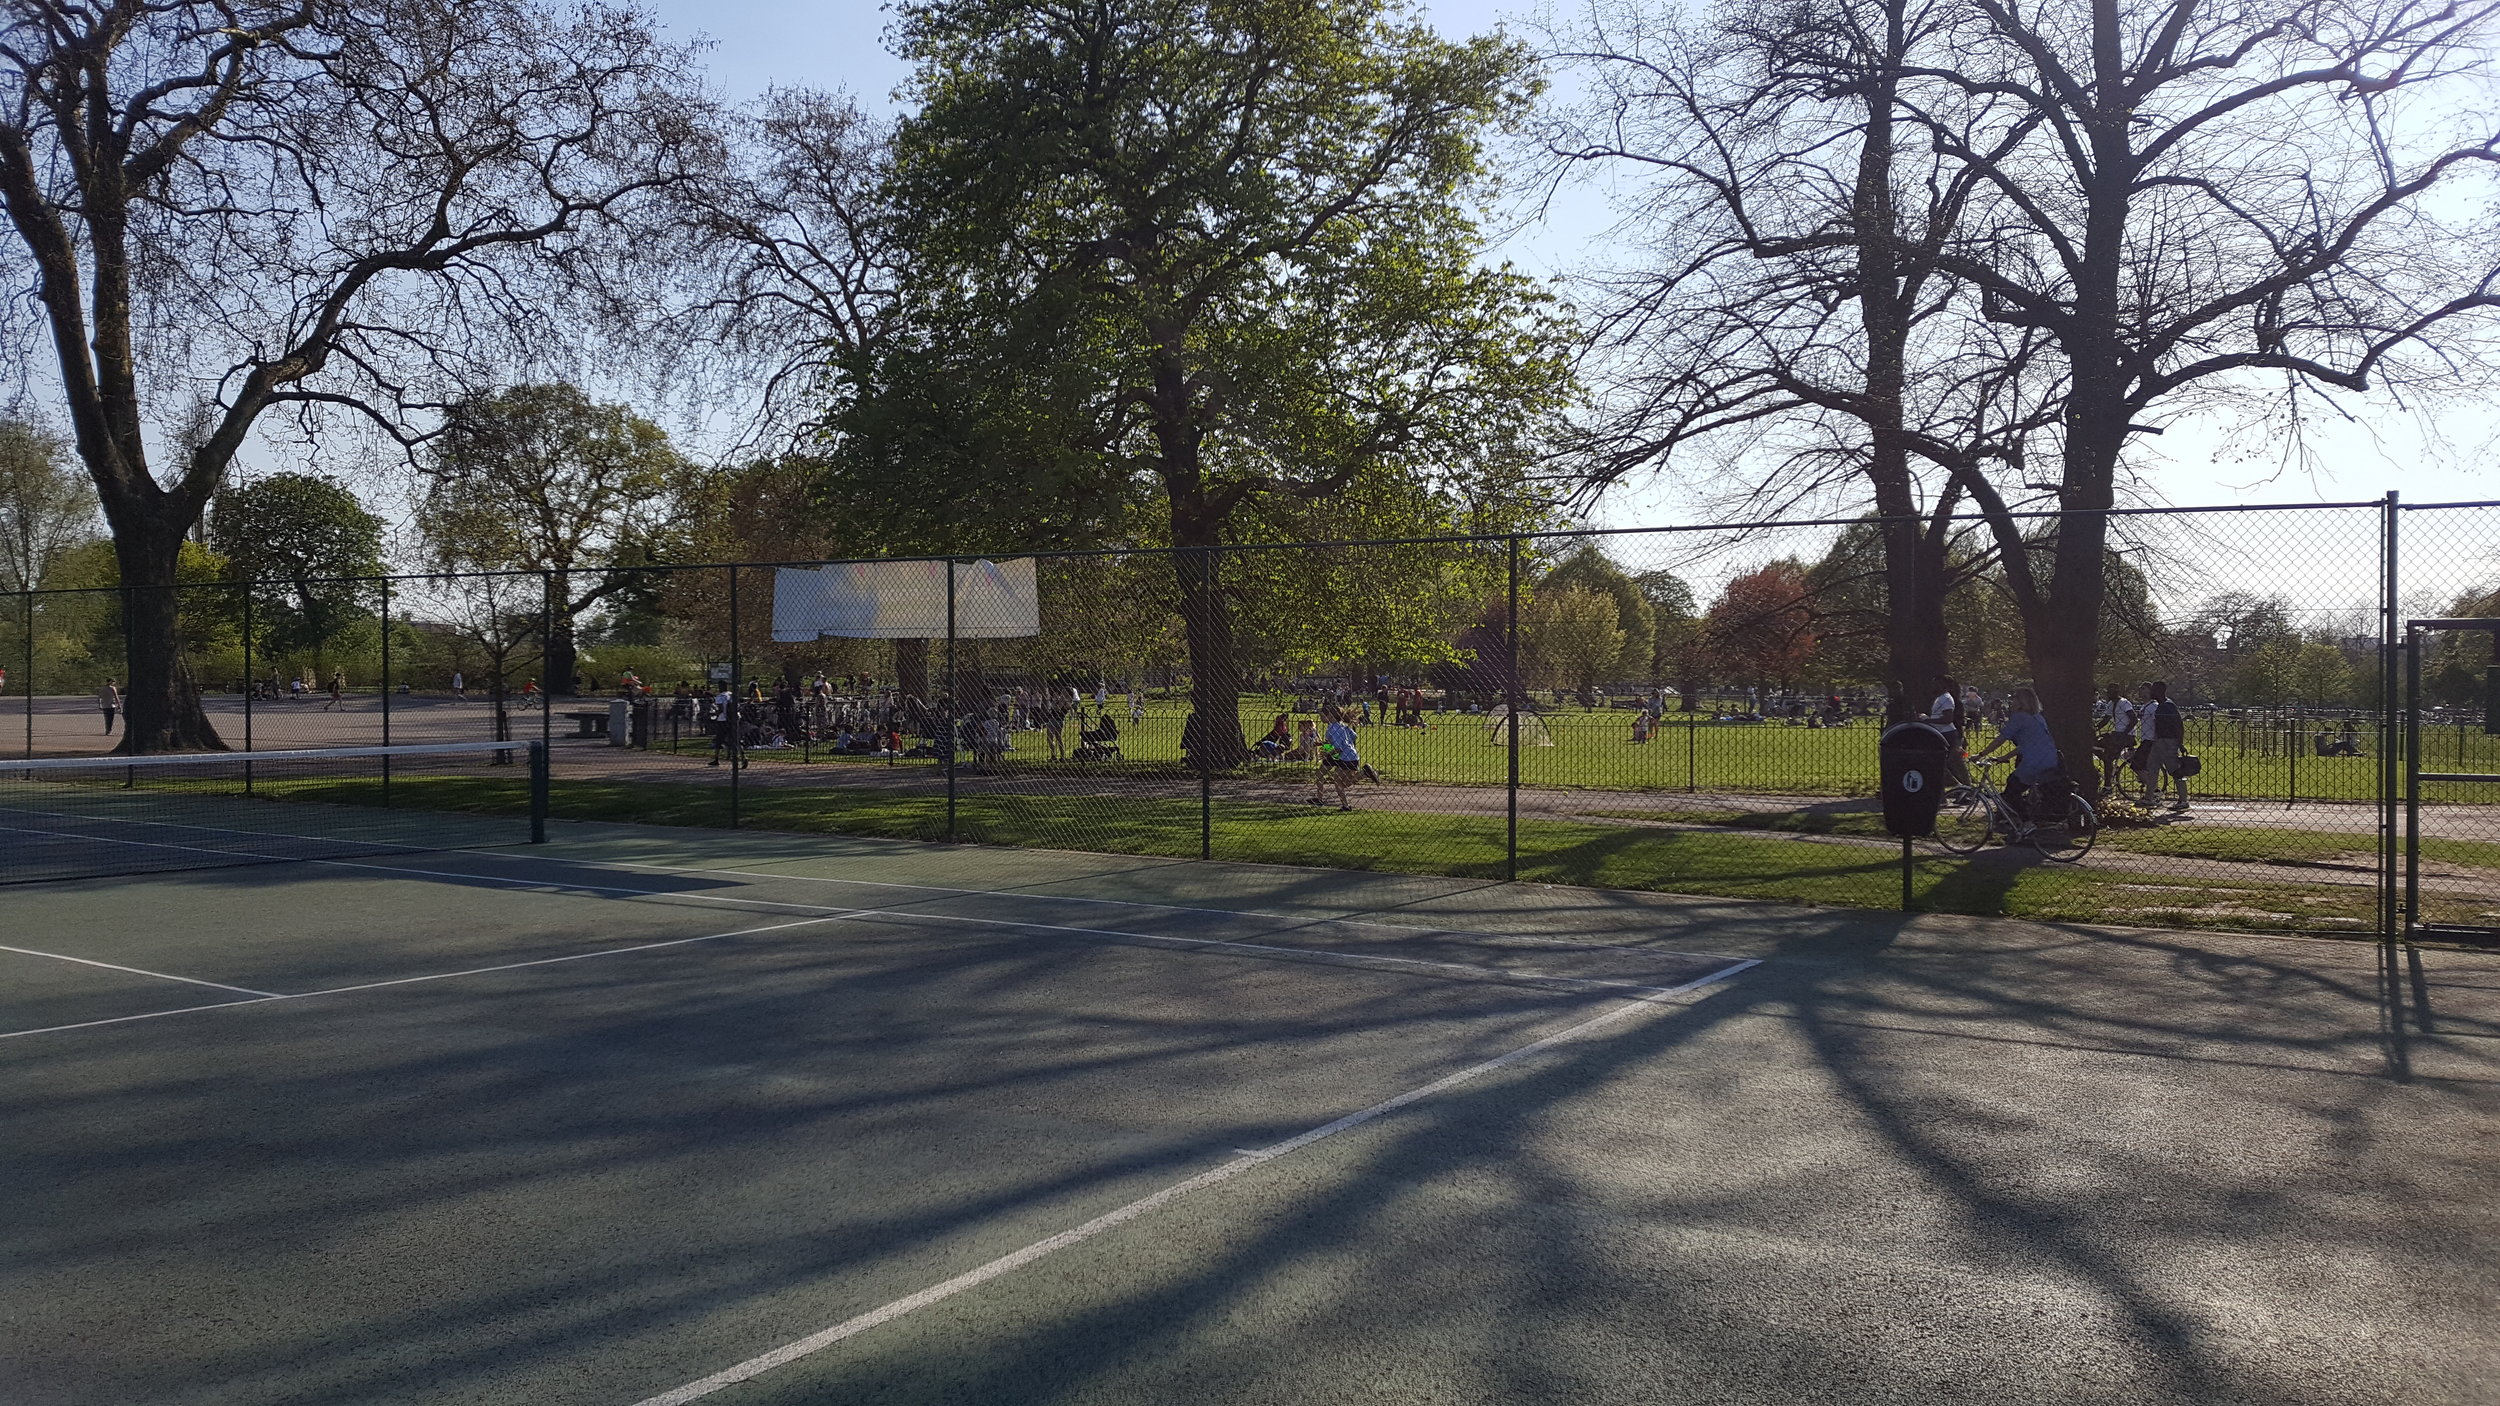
(98, 817)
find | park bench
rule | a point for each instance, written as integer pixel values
(589, 722)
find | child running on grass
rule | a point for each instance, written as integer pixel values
(1339, 760)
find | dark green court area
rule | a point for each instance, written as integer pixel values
(653, 1114)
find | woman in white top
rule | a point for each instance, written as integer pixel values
(1945, 715)
(2118, 712)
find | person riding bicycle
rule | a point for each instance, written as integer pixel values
(2035, 753)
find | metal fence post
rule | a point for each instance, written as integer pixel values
(736, 722)
(2389, 922)
(2413, 781)
(30, 673)
(249, 687)
(538, 793)
(1512, 691)
(546, 657)
(386, 690)
(1206, 727)
(954, 703)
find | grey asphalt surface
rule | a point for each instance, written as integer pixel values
(1902, 1159)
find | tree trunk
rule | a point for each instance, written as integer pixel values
(563, 645)
(1207, 623)
(160, 703)
(1914, 640)
(1216, 743)
(2063, 634)
(911, 668)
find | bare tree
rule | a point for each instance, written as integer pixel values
(779, 267)
(1789, 302)
(2119, 210)
(2188, 204)
(226, 207)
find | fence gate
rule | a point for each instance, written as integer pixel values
(2438, 753)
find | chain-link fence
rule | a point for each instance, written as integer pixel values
(1685, 709)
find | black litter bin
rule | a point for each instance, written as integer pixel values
(1913, 757)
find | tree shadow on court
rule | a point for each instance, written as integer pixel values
(1899, 1153)
(1998, 1224)
(379, 1118)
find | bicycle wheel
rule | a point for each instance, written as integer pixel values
(1966, 821)
(2071, 838)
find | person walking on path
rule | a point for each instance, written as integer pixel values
(1339, 760)
(1136, 708)
(2116, 713)
(2165, 734)
(459, 687)
(110, 699)
(724, 723)
(338, 691)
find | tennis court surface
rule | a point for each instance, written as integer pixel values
(641, 1115)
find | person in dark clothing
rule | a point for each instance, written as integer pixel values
(2165, 733)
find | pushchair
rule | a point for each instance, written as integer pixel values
(1100, 742)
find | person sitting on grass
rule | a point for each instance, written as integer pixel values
(1339, 760)
(1279, 739)
(2035, 753)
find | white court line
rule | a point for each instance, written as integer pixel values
(829, 913)
(266, 998)
(135, 971)
(191, 849)
(1410, 929)
(852, 1327)
(1352, 959)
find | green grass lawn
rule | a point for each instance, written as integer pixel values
(2241, 844)
(1707, 862)
(1594, 750)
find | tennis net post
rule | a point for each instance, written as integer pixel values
(538, 793)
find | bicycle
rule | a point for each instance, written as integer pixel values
(1975, 813)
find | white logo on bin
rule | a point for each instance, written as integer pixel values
(1913, 781)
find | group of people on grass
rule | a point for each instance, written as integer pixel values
(819, 715)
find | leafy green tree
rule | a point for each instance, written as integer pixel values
(2263, 675)
(1568, 637)
(2456, 670)
(1206, 251)
(1588, 568)
(46, 506)
(2321, 676)
(545, 479)
(83, 637)
(1677, 652)
(1356, 606)
(300, 540)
